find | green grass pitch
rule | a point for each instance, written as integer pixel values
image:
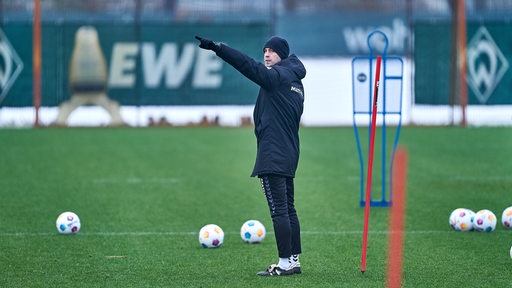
(143, 194)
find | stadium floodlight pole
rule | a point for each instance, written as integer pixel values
(370, 165)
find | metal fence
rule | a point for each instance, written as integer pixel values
(234, 10)
(141, 10)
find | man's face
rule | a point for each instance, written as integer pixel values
(270, 57)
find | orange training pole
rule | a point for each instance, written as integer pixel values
(461, 27)
(36, 39)
(397, 221)
(370, 165)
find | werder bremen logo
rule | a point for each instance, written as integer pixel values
(10, 65)
(486, 65)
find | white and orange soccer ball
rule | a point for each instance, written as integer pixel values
(252, 231)
(68, 223)
(506, 217)
(211, 236)
(485, 221)
(461, 219)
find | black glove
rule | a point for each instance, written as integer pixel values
(208, 44)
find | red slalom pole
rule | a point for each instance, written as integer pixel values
(370, 165)
(397, 221)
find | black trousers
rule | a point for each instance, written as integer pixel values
(279, 191)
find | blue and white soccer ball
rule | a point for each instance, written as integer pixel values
(211, 236)
(485, 221)
(252, 231)
(506, 217)
(68, 223)
(461, 219)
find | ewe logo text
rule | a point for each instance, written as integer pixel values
(168, 65)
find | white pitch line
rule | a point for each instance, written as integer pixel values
(142, 234)
(135, 180)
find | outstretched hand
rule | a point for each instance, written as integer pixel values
(208, 44)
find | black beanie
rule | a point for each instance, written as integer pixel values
(279, 45)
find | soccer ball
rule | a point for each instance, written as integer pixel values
(68, 223)
(461, 219)
(252, 231)
(485, 220)
(211, 236)
(506, 217)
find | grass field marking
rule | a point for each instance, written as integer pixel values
(45, 234)
(184, 233)
(481, 177)
(134, 180)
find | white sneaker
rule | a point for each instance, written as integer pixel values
(295, 266)
(275, 270)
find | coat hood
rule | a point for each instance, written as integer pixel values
(293, 63)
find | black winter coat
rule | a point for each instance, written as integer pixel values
(277, 111)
